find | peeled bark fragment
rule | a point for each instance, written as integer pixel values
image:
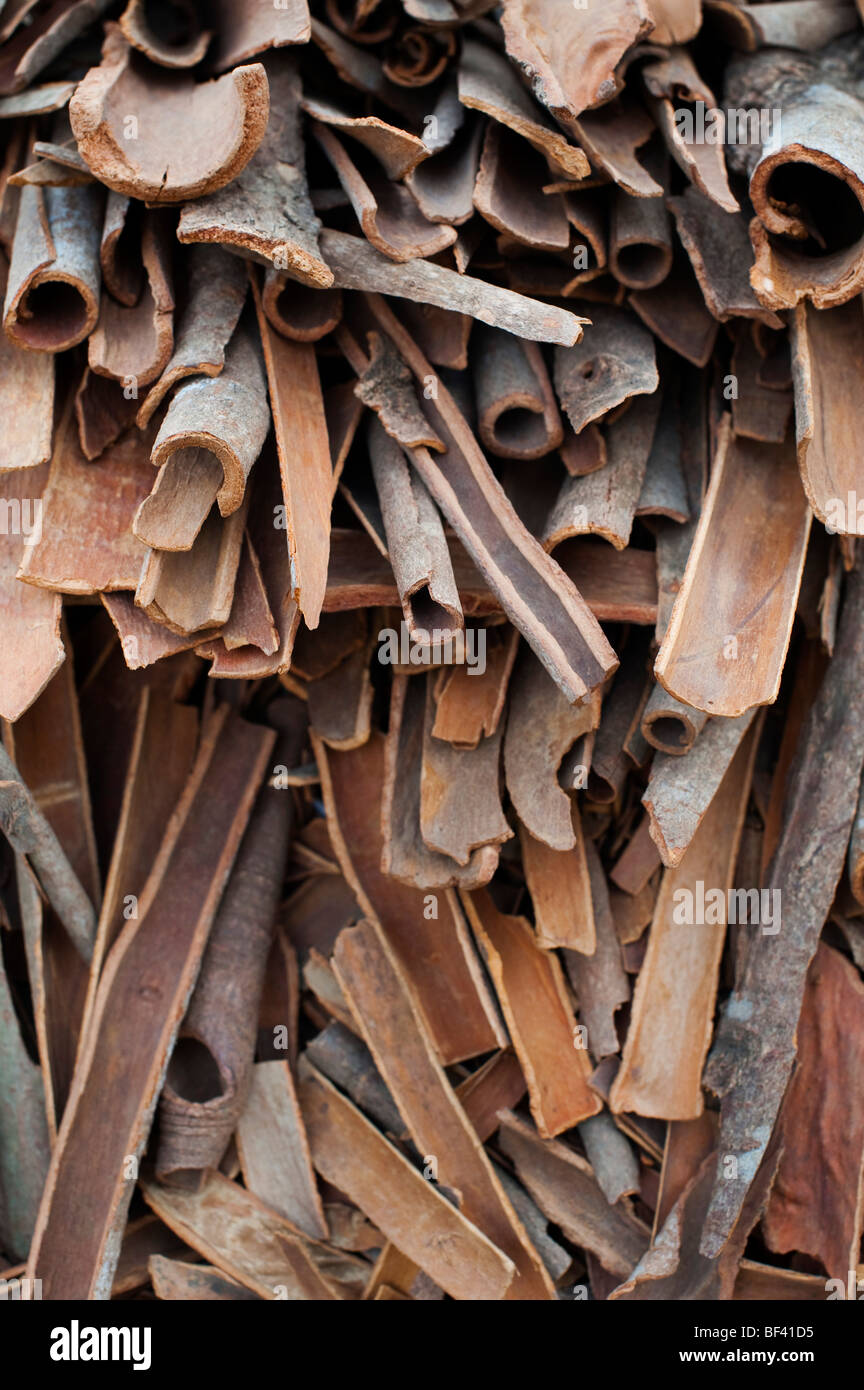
(540, 601)
(611, 136)
(397, 151)
(542, 727)
(246, 28)
(680, 790)
(616, 361)
(52, 294)
(543, 37)
(460, 800)
(530, 985)
(721, 257)
(190, 590)
(675, 21)
(212, 129)
(488, 83)
(604, 502)
(356, 265)
(227, 416)
(26, 401)
(177, 1280)
(567, 1192)
(353, 1156)
(673, 1008)
(676, 314)
(379, 997)
(86, 544)
(599, 980)
(507, 193)
(560, 892)
(340, 703)
(516, 407)
(266, 211)
(726, 644)
(144, 35)
(24, 1137)
(274, 1151)
(443, 185)
(671, 81)
(827, 361)
(299, 312)
(39, 41)
(77, 1238)
(134, 345)
(453, 996)
(385, 386)
(416, 544)
(755, 1048)
(469, 703)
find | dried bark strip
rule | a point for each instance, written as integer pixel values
(516, 407)
(26, 401)
(599, 980)
(469, 704)
(616, 361)
(76, 1243)
(56, 244)
(827, 361)
(274, 1151)
(460, 800)
(560, 891)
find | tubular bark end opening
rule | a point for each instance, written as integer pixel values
(53, 314)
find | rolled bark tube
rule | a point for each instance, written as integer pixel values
(669, 725)
(210, 1067)
(52, 296)
(806, 171)
(298, 311)
(640, 240)
(518, 415)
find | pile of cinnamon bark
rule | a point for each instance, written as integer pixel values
(431, 649)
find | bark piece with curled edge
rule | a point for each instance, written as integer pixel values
(611, 136)
(460, 797)
(266, 212)
(36, 44)
(536, 594)
(488, 83)
(356, 265)
(224, 419)
(604, 502)
(754, 1050)
(718, 246)
(142, 34)
(541, 728)
(380, 999)
(133, 345)
(726, 642)
(454, 998)
(141, 996)
(676, 314)
(670, 726)
(387, 388)
(404, 854)
(676, 991)
(52, 293)
(27, 830)
(299, 312)
(191, 138)
(37, 101)
(507, 193)
(802, 24)
(680, 790)
(192, 590)
(350, 1153)
(517, 411)
(397, 151)
(828, 365)
(246, 27)
(560, 892)
(216, 290)
(807, 175)
(443, 185)
(599, 981)
(616, 361)
(543, 37)
(26, 402)
(416, 544)
(671, 80)
(469, 704)
(530, 985)
(210, 1068)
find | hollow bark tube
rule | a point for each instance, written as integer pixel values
(516, 408)
(806, 170)
(208, 1073)
(669, 725)
(640, 240)
(52, 296)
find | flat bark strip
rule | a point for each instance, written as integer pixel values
(304, 461)
(453, 996)
(209, 1072)
(178, 1280)
(460, 799)
(726, 644)
(86, 544)
(274, 1151)
(758, 1027)
(545, 606)
(673, 1008)
(378, 995)
(599, 980)
(566, 1190)
(468, 703)
(827, 360)
(498, 1084)
(355, 265)
(530, 985)
(680, 790)
(822, 1114)
(32, 649)
(560, 890)
(212, 128)
(25, 1143)
(26, 401)
(216, 289)
(77, 1239)
(352, 1155)
(542, 727)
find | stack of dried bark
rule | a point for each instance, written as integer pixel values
(420, 436)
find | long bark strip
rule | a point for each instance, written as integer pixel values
(380, 999)
(538, 598)
(530, 984)
(726, 642)
(673, 1009)
(827, 365)
(754, 1052)
(141, 996)
(350, 1153)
